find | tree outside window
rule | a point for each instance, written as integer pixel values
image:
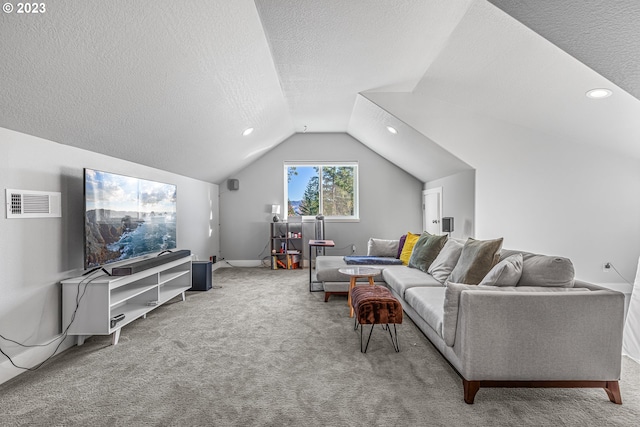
(330, 189)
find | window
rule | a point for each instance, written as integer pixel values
(327, 188)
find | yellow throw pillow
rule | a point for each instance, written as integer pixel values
(408, 247)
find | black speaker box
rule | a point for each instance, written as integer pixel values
(233, 184)
(201, 275)
(145, 264)
(447, 224)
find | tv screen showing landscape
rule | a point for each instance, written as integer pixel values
(126, 217)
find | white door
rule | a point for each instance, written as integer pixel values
(432, 210)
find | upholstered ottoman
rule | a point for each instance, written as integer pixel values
(374, 305)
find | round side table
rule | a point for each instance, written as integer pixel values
(356, 273)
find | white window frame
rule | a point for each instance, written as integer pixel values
(334, 218)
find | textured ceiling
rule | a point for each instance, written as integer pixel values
(173, 84)
(365, 125)
(507, 71)
(168, 84)
(326, 52)
(604, 35)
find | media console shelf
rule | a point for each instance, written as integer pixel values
(105, 297)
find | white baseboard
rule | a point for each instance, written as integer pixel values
(31, 357)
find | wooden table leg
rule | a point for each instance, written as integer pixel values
(371, 280)
(352, 284)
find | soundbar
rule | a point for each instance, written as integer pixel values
(136, 267)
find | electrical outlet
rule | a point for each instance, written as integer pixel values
(606, 267)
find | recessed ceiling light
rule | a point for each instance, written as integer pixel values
(247, 132)
(392, 130)
(599, 93)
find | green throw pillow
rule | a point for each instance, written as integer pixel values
(477, 258)
(426, 250)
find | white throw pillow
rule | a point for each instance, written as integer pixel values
(505, 273)
(443, 265)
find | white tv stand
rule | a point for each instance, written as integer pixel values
(108, 296)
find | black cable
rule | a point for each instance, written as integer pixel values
(64, 335)
(621, 276)
(91, 271)
(265, 247)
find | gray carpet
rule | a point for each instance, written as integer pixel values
(264, 351)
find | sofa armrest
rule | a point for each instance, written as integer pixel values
(540, 336)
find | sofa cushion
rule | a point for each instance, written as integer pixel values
(399, 278)
(426, 250)
(476, 259)
(428, 302)
(446, 260)
(382, 247)
(409, 242)
(452, 300)
(505, 273)
(545, 270)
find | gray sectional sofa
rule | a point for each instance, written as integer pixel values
(536, 327)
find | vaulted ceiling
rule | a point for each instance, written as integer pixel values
(173, 85)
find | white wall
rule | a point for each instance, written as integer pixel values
(458, 201)
(390, 198)
(541, 192)
(35, 254)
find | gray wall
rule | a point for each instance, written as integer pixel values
(35, 254)
(458, 201)
(390, 199)
(541, 192)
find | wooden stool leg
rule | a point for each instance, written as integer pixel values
(352, 284)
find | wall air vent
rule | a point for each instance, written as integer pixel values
(33, 204)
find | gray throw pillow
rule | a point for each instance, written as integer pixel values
(426, 250)
(544, 270)
(505, 273)
(477, 258)
(382, 247)
(443, 265)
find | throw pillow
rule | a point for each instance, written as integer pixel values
(426, 250)
(505, 273)
(409, 242)
(545, 270)
(403, 238)
(382, 247)
(446, 260)
(476, 259)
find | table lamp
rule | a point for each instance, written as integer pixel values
(275, 210)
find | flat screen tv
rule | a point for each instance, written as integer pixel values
(126, 217)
